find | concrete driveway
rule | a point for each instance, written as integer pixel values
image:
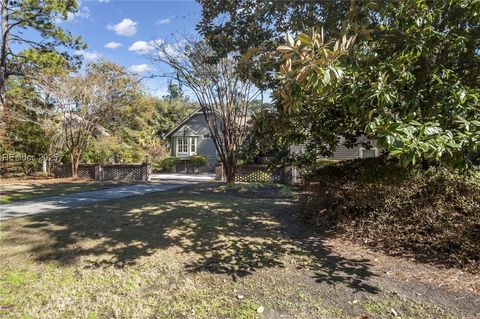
(52, 203)
(207, 177)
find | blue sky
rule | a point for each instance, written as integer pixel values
(119, 30)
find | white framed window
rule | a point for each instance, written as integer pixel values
(182, 145)
(193, 145)
(367, 153)
(186, 146)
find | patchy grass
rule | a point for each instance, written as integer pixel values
(190, 253)
(12, 192)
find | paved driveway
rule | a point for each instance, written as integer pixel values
(52, 203)
(183, 177)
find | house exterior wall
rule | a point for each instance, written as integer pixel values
(205, 144)
(341, 153)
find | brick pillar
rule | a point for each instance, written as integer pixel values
(98, 172)
(219, 175)
(146, 170)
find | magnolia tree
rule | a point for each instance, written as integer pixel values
(410, 82)
(86, 103)
(224, 97)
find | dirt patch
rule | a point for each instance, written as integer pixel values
(404, 276)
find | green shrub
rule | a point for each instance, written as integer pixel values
(167, 163)
(432, 214)
(198, 161)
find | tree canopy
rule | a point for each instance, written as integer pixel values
(224, 97)
(238, 26)
(49, 52)
(410, 81)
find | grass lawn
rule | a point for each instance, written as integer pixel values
(15, 191)
(194, 253)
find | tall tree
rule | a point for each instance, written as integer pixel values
(412, 83)
(19, 53)
(174, 92)
(86, 103)
(173, 108)
(33, 130)
(238, 26)
(224, 97)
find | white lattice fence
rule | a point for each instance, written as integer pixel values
(257, 173)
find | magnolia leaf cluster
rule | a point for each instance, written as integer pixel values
(310, 64)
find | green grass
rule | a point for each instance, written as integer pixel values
(17, 192)
(191, 253)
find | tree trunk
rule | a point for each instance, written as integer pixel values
(74, 160)
(230, 169)
(3, 58)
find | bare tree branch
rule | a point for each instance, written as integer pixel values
(85, 103)
(224, 97)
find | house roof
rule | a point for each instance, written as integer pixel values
(185, 131)
(198, 111)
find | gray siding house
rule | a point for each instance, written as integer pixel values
(192, 137)
(343, 153)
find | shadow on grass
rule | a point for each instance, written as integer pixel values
(14, 193)
(216, 233)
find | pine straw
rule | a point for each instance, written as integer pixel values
(432, 216)
(406, 270)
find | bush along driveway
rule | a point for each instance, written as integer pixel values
(207, 252)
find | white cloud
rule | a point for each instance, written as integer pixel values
(140, 68)
(113, 45)
(90, 56)
(164, 21)
(126, 27)
(143, 47)
(140, 47)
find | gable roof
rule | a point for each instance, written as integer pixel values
(197, 111)
(185, 131)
